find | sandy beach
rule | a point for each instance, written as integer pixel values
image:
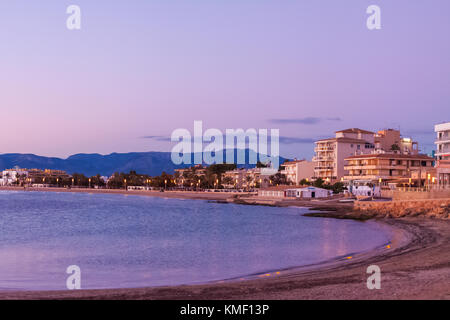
(415, 266)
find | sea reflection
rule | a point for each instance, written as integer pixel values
(135, 241)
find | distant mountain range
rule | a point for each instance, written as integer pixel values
(152, 163)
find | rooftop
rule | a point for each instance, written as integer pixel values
(392, 156)
(355, 130)
(343, 140)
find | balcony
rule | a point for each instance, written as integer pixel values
(376, 167)
(368, 177)
(324, 149)
(445, 164)
(323, 159)
(444, 139)
(323, 168)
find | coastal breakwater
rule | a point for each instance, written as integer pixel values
(429, 208)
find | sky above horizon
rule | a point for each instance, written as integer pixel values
(138, 70)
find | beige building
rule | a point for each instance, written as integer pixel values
(443, 154)
(245, 178)
(297, 170)
(331, 153)
(388, 167)
(390, 140)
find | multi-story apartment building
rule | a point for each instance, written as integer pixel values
(38, 174)
(390, 140)
(389, 167)
(443, 154)
(297, 170)
(331, 153)
(197, 170)
(17, 175)
(240, 178)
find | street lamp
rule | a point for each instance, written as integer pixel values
(89, 183)
(125, 183)
(165, 184)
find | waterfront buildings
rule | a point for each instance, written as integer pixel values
(27, 176)
(443, 154)
(197, 171)
(389, 167)
(12, 176)
(245, 178)
(390, 141)
(298, 170)
(331, 153)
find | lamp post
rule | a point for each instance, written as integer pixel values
(89, 183)
(125, 183)
(165, 184)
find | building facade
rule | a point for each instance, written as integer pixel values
(245, 178)
(330, 154)
(297, 170)
(443, 154)
(12, 176)
(389, 167)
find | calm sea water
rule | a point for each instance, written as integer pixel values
(123, 241)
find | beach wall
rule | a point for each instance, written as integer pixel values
(414, 194)
(419, 195)
(432, 208)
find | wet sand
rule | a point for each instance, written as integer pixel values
(416, 266)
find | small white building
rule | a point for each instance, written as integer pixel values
(289, 192)
(312, 192)
(365, 190)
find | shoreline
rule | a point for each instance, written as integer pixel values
(414, 267)
(242, 198)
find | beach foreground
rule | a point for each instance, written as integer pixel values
(416, 266)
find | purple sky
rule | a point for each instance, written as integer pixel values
(144, 68)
